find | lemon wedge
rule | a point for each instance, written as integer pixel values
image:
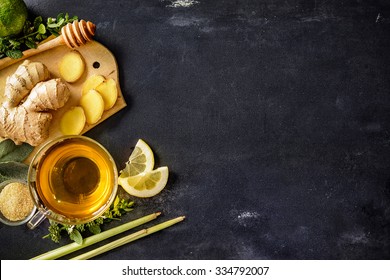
(138, 178)
(141, 160)
(146, 184)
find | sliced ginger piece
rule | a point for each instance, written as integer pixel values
(71, 66)
(73, 121)
(92, 83)
(109, 92)
(93, 104)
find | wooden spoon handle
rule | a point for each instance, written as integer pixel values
(7, 61)
(73, 35)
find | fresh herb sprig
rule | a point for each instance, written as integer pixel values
(33, 33)
(116, 210)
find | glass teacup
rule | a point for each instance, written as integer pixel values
(72, 180)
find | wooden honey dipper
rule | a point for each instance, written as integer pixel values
(72, 35)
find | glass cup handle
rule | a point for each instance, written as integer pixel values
(38, 218)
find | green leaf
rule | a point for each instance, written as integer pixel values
(14, 44)
(37, 22)
(9, 151)
(52, 25)
(60, 22)
(26, 27)
(60, 16)
(30, 43)
(7, 146)
(75, 235)
(94, 229)
(15, 54)
(41, 29)
(13, 170)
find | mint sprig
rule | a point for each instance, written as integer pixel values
(75, 232)
(32, 34)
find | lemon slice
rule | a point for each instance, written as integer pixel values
(146, 184)
(141, 160)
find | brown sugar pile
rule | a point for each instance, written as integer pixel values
(15, 202)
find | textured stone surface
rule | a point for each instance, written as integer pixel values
(273, 117)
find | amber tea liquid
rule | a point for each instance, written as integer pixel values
(75, 178)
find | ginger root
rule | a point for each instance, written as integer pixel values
(26, 76)
(48, 95)
(28, 120)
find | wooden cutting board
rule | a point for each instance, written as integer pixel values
(98, 59)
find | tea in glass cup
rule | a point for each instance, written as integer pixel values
(73, 180)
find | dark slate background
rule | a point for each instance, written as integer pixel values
(273, 117)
